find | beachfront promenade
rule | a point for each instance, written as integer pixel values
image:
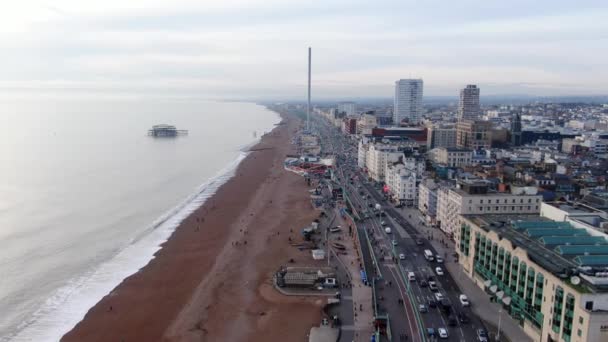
(362, 303)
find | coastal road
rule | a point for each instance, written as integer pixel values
(405, 236)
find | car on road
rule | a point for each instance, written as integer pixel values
(433, 286)
(383, 223)
(430, 332)
(482, 335)
(387, 230)
(432, 302)
(401, 256)
(394, 242)
(439, 271)
(423, 283)
(439, 259)
(443, 332)
(422, 308)
(438, 296)
(452, 321)
(464, 300)
(411, 276)
(463, 318)
(419, 242)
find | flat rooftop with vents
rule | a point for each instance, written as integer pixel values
(558, 247)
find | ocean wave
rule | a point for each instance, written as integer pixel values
(69, 304)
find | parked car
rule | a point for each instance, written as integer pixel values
(423, 283)
(432, 303)
(482, 335)
(464, 300)
(443, 332)
(433, 286)
(387, 230)
(394, 242)
(438, 296)
(439, 259)
(452, 321)
(439, 271)
(419, 242)
(401, 256)
(430, 332)
(422, 308)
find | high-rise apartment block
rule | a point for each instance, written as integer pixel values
(408, 101)
(468, 107)
(350, 108)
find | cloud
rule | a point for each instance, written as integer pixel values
(245, 48)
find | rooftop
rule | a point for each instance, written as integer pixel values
(558, 247)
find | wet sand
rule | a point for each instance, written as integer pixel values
(211, 281)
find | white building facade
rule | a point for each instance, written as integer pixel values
(402, 178)
(365, 124)
(408, 101)
(452, 157)
(427, 199)
(377, 157)
(473, 198)
(362, 153)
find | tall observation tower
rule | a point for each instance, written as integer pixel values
(308, 106)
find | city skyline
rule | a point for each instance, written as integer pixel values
(255, 49)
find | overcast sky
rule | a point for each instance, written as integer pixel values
(257, 48)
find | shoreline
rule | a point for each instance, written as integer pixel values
(172, 296)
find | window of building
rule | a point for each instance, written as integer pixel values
(579, 332)
(529, 200)
(481, 201)
(489, 201)
(496, 208)
(580, 319)
(480, 208)
(529, 207)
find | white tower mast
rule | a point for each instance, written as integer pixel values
(308, 106)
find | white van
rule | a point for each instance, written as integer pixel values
(387, 230)
(411, 276)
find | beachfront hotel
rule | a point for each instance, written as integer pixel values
(549, 276)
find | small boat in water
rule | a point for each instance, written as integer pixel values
(164, 130)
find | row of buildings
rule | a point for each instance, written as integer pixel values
(520, 189)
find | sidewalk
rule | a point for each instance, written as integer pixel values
(481, 305)
(361, 294)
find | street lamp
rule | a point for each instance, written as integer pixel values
(499, 321)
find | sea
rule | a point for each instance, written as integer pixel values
(87, 197)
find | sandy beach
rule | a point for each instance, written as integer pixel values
(211, 281)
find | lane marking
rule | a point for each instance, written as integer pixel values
(401, 293)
